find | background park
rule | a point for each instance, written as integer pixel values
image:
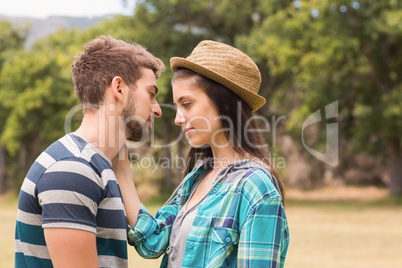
(332, 77)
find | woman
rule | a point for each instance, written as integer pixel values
(228, 211)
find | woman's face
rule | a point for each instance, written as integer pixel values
(196, 114)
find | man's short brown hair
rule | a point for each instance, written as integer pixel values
(106, 57)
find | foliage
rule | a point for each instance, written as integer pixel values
(35, 85)
(310, 53)
(11, 39)
(348, 51)
(352, 56)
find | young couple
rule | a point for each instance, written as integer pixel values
(227, 212)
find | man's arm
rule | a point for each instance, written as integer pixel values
(69, 193)
(71, 247)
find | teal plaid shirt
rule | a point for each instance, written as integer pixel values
(239, 224)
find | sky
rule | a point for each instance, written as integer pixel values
(45, 8)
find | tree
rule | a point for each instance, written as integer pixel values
(345, 51)
(36, 93)
(11, 38)
(173, 28)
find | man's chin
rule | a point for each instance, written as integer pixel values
(136, 139)
(138, 135)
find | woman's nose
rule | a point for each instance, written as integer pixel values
(179, 119)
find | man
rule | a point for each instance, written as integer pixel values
(70, 209)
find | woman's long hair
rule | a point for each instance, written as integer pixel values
(227, 104)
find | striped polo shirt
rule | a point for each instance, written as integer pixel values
(71, 185)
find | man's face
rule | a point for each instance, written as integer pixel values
(141, 107)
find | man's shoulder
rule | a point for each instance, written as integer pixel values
(73, 149)
(66, 147)
(72, 154)
(58, 153)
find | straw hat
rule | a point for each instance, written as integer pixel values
(226, 65)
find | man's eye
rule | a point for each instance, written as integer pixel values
(186, 104)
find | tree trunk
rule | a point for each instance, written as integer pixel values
(394, 166)
(36, 150)
(23, 155)
(3, 176)
(168, 178)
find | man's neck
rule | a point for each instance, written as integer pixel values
(102, 134)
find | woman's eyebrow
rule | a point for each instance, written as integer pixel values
(181, 99)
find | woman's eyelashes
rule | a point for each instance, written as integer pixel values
(186, 104)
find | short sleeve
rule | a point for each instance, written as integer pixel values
(69, 193)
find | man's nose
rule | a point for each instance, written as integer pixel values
(156, 109)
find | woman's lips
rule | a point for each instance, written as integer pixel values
(188, 130)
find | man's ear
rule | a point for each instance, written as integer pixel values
(117, 88)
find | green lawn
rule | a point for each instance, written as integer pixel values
(323, 234)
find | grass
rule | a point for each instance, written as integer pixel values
(332, 236)
(326, 231)
(8, 212)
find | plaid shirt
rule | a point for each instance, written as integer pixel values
(239, 224)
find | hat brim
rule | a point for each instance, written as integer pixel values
(255, 101)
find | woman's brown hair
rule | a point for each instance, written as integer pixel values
(227, 103)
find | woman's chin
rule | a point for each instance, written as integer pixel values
(196, 145)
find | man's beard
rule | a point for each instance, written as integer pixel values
(135, 129)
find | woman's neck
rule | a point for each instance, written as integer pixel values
(224, 156)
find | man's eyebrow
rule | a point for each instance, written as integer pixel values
(155, 88)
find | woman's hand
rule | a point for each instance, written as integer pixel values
(121, 167)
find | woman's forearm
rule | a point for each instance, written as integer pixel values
(131, 201)
(128, 191)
